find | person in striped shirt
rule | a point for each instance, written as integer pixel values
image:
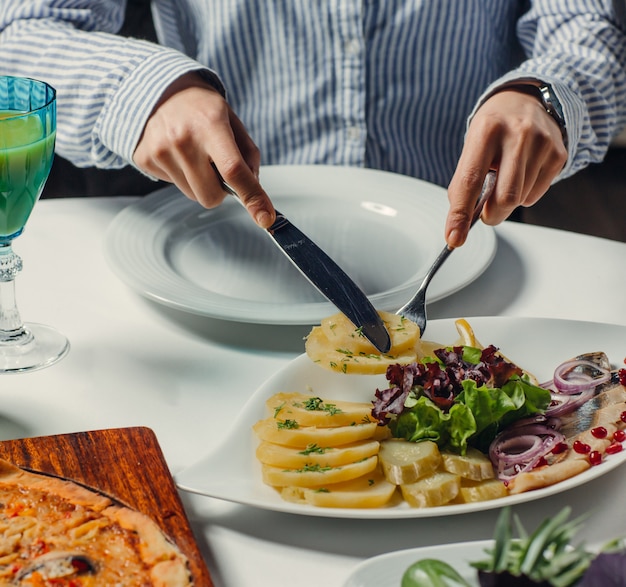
(442, 90)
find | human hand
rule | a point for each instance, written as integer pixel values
(512, 133)
(190, 127)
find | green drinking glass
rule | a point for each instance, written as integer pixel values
(27, 135)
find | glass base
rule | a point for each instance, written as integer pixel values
(45, 347)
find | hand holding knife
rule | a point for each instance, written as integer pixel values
(325, 275)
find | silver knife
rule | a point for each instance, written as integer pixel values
(323, 273)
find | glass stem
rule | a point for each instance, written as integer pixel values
(12, 329)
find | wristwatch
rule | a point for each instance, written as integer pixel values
(544, 92)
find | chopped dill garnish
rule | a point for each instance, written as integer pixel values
(312, 404)
(278, 409)
(370, 482)
(316, 404)
(312, 468)
(288, 425)
(322, 490)
(313, 448)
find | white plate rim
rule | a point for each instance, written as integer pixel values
(187, 479)
(134, 240)
(389, 567)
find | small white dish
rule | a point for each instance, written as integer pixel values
(382, 228)
(386, 570)
(231, 471)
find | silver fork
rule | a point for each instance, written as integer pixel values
(415, 308)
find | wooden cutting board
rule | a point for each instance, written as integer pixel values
(128, 465)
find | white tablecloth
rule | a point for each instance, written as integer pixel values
(134, 362)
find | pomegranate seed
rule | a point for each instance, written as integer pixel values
(581, 447)
(614, 448)
(619, 435)
(599, 432)
(622, 376)
(560, 447)
(541, 463)
(622, 416)
(595, 458)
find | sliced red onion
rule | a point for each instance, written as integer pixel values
(520, 448)
(543, 419)
(577, 375)
(574, 384)
(564, 403)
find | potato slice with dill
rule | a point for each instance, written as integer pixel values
(369, 491)
(316, 475)
(341, 333)
(277, 455)
(345, 360)
(290, 433)
(310, 410)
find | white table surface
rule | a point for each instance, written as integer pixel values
(133, 362)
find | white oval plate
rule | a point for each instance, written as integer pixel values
(231, 472)
(386, 570)
(383, 229)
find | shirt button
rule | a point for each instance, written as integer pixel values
(353, 47)
(354, 133)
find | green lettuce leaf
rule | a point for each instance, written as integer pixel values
(477, 415)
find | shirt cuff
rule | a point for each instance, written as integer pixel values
(122, 121)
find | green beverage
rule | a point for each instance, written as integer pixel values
(26, 153)
(27, 133)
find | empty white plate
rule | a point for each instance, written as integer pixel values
(383, 229)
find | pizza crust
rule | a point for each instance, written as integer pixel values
(47, 521)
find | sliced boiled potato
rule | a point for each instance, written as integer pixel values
(296, 458)
(370, 491)
(473, 491)
(315, 475)
(290, 433)
(344, 360)
(406, 462)
(309, 410)
(341, 333)
(473, 465)
(434, 490)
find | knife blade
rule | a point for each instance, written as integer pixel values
(325, 275)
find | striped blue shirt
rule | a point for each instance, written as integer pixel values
(388, 84)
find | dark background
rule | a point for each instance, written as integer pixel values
(592, 202)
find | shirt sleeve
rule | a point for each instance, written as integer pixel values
(106, 85)
(579, 48)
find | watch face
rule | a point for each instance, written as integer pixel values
(553, 108)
